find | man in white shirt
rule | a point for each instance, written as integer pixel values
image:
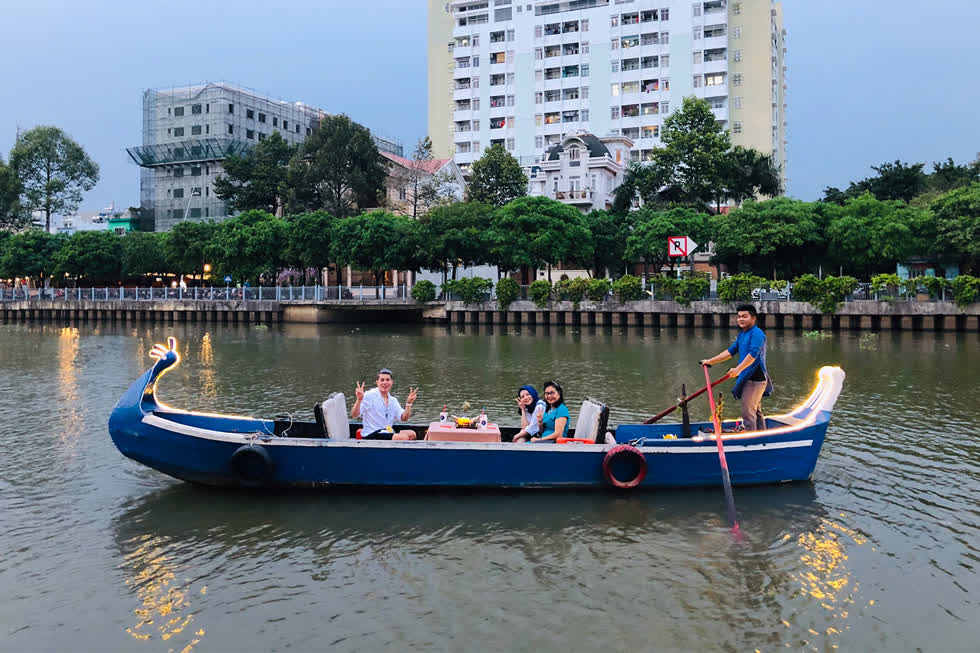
(380, 410)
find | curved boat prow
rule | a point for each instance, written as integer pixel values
(824, 396)
(140, 398)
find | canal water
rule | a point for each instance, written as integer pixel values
(879, 553)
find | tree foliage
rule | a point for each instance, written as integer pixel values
(375, 241)
(190, 245)
(776, 235)
(648, 240)
(337, 168)
(496, 178)
(958, 225)
(249, 247)
(453, 235)
(144, 253)
(53, 170)
(257, 180)
(893, 181)
(609, 232)
(694, 151)
(872, 235)
(308, 240)
(538, 231)
(30, 254)
(12, 214)
(94, 255)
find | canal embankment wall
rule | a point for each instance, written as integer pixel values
(866, 315)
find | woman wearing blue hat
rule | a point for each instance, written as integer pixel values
(531, 409)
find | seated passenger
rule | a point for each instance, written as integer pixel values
(531, 409)
(556, 419)
(380, 410)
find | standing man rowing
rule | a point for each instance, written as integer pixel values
(380, 410)
(753, 379)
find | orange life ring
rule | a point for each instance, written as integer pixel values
(624, 451)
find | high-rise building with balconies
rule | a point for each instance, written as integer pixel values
(188, 132)
(527, 75)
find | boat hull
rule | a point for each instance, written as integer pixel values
(232, 451)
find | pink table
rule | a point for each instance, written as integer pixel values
(448, 432)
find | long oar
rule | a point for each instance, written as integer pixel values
(725, 478)
(683, 401)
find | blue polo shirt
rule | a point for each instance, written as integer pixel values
(752, 342)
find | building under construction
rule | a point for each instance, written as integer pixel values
(188, 132)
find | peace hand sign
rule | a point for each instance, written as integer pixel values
(412, 392)
(359, 391)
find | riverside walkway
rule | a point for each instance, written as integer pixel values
(325, 304)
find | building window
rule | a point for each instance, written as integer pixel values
(736, 55)
(178, 111)
(275, 121)
(696, 7)
(614, 66)
(231, 129)
(195, 109)
(250, 114)
(476, 104)
(195, 130)
(737, 79)
(510, 35)
(476, 62)
(614, 21)
(538, 118)
(737, 32)
(738, 101)
(231, 108)
(736, 8)
(538, 97)
(665, 14)
(476, 125)
(665, 61)
(261, 117)
(178, 193)
(697, 56)
(664, 38)
(178, 131)
(665, 107)
(696, 81)
(179, 171)
(584, 70)
(697, 33)
(195, 171)
(261, 136)
(510, 100)
(737, 127)
(402, 194)
(584, 116)
(539, 141)
(614, 113)
(250, 134)
(194, 213)
(538, 31)
(510, 144)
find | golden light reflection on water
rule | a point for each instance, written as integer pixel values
(165, 607)
(209, 385)
(826, 578)
(68, 338)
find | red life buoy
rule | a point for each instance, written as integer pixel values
(578, 440)
(624, 452)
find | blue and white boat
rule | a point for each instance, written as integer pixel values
(233, 451)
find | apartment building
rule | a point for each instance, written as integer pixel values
(189, 131)
(528, 75)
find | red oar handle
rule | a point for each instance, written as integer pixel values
(725, 478)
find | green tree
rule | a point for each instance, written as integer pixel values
(187, 246)
(893, 181)
(454, 235)
(12, 215)
(747, 173)
(308, 240)
(958, 225)
(496, 178)
(538, 231)
(54, 170)
(375, 241)
(694, 151)
(31, 254)
(144, 253)
(257, 180)
(94, 255)
(776, 236)
(871, 235)
(948, 175)
(609, 232)
(648, 239)
(338, 168)
(250, 246)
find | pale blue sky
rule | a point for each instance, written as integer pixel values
(869, 80)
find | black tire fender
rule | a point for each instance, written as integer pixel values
(624, 452)
(251, 465)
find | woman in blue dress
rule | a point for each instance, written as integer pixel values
(556, 419)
